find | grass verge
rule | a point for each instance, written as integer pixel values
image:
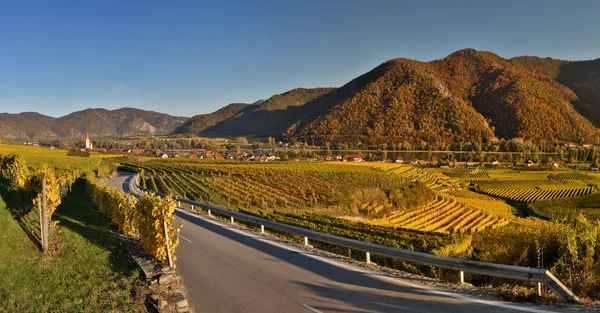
(86, 269)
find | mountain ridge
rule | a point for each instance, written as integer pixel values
(95, 121)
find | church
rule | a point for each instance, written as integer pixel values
(88, 143)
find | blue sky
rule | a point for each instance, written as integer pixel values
(188, 57)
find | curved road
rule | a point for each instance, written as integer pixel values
(226, 269)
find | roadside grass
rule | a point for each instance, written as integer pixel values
(86, 269)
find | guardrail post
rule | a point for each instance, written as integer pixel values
(462, 277)
(209, 213)
(179, 203)
(262, 229)
(232, 220)
(368, 258)
(306, 241)
(538, 289)
(559, 288)
(168, 244)
(192, 207)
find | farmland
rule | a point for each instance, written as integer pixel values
(55, 158)
(479, 214)
(288, 187)
(444, 215)
(366, 192)
(369, 192)
(532, 195)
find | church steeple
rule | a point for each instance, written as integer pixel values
(88, 143)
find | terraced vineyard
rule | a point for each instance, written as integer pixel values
(444, 215)
(435, 182)
(571, 176)
(466, 174)
(513, 184)
(532, 195)
(467, 194)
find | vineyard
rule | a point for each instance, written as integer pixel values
(531, 195)
(467, 194)
(514, 184)
(466, 174)
(572, 176)
(369, 232)
(369, 202)
(302, 188)
(261, 186)
(444, 215)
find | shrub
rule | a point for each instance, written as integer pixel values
(78, 153)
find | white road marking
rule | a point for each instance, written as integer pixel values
(185, 239)
(310, 308)
(394, 280)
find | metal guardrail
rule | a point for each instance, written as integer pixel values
(462, 265)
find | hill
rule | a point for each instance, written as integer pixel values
(98, 122)
(266, 118)
(26, 125)
(198, 123)
(582, 77)
(469, 96)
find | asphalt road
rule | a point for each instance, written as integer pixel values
(226, 269)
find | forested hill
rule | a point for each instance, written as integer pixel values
(468, 96)
(582, 77)
(198, 123)
(267, 118)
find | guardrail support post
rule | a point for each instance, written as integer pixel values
(262, 229)
(306, 241)
(462, 277)
(179, 203)
(168, 244)
(209, 213)
(368, 258)
(192, 207)
(538, 289)
(232, 220)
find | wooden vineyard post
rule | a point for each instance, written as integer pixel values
(44, 218)
(41, 224)
(168, 244)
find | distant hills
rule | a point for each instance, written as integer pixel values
(582, 77)
(98, 122)
(469, 96)
(267, 118)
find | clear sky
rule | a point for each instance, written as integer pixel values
(186, 57)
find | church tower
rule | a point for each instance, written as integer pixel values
(88, 143)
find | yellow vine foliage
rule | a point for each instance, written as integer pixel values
(54, 185)
(14, 168)
(154, 211)
(141, 218)
(117, 206)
